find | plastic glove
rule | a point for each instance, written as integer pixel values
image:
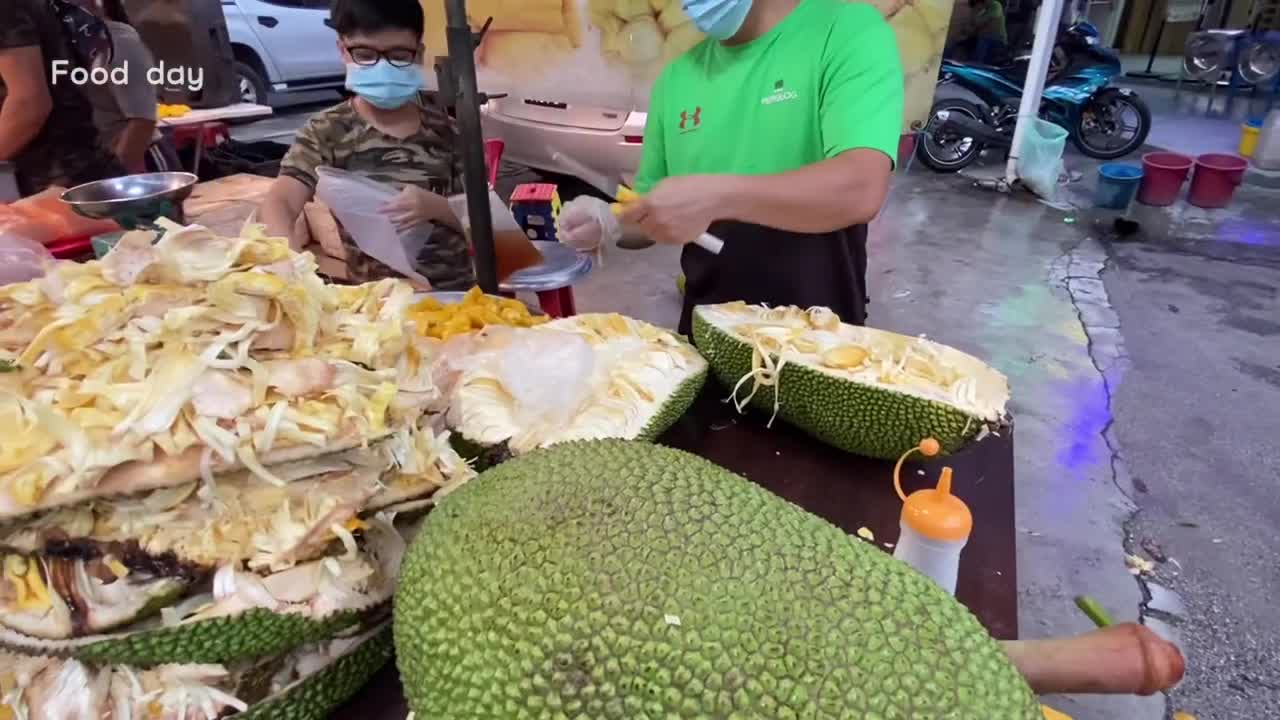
(586, 224)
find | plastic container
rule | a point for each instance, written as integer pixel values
(1215, 179)
(1117, 186)
(1249, 133)
(1267, 155)
(934, 527)
(1162, 176)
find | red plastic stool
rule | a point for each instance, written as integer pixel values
(555, 303)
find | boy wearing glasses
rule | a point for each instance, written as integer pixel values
(389, 132)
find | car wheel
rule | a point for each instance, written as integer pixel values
(252, 87)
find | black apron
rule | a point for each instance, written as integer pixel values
(761, 265)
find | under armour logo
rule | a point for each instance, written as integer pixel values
(685, 118)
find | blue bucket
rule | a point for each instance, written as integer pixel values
(1117, 186)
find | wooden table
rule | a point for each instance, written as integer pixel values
(850, 492)
(225, 204)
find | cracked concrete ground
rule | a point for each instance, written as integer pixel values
(1133, 420)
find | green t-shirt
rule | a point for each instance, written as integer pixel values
(989, 21)
(826, 79)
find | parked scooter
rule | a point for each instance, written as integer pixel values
(1104, 122)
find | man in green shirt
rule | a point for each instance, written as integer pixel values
(987, 32)
(778, 135)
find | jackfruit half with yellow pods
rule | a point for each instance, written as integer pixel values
(862, 390)
(637, 380)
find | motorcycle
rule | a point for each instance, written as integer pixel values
(1104, 122)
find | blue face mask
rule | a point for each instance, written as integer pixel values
(718, 19)
(384, 85)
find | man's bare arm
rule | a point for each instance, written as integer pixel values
(27, 102)
(848, 189)
(133, 143)
(282, 206)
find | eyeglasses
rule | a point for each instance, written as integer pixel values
(397, 57)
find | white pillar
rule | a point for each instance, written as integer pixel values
(1041, 52)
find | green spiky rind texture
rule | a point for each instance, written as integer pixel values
(254, 634)
(317, 696)
(674, 408)
(615, 579)
(861, 419)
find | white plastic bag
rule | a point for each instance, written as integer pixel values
(357, 202)
(1040, 158)
(547, 373)
(22, 258)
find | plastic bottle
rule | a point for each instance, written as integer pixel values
(935, 525)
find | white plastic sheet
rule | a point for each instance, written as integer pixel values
(357, 203)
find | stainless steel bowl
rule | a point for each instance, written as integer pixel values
(150, 196)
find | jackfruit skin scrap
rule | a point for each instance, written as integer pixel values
(316, 697)
(857, 418)
(615, 579)
(255, 634)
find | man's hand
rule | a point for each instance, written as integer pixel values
(678, 210)
(415, 206)
(586, 223)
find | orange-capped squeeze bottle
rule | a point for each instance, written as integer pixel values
(935, 525)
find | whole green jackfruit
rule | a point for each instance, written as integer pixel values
(614, 579)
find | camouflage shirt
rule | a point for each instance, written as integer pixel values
(68, 150)
(340, 138)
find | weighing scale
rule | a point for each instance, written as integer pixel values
(134, 202)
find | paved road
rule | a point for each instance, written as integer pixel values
(1197, 418)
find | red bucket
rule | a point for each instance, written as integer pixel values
(1215, 179)
(1162, 177)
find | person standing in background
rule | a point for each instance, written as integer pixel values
(777, 134)
(126, 114)
(987, 28)
(46, 128)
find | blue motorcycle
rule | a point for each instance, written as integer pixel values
(1104, 122)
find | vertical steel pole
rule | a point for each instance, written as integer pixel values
(1037, 68)
(462, 61)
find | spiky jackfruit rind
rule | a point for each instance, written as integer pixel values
(861, 419)
(674, 408)
(317, 696)
(254, 634)
(623, 579)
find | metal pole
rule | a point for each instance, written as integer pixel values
(462, 61)
(1041, 52)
